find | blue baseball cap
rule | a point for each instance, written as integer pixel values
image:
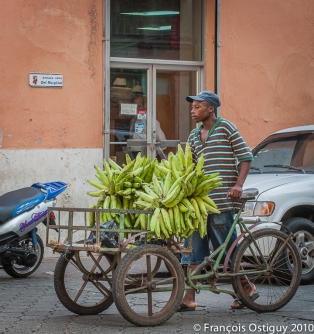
(207, 96)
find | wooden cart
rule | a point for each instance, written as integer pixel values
(89, 277)
(144, 277)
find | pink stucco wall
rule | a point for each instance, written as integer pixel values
(267, 65)
(52, 37)
(267, 71)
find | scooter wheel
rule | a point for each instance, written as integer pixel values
(20, 271)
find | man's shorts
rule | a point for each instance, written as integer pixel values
(218, 227)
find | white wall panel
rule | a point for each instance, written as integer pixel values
(22, 168)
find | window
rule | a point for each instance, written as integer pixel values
(295, 151)
(164, 29)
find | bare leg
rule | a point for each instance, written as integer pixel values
(248, 287)
(189, 296)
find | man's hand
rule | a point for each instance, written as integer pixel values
(235, 192)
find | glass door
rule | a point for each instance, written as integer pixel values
(130, 117)
(171, 110)
(154, 52)
(148, 109)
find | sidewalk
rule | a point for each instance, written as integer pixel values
(31, 306)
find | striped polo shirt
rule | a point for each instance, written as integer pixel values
(223, 150)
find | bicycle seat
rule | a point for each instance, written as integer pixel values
(249, 193)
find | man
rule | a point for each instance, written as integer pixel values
(223, 147)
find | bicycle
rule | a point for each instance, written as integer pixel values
(262, 256)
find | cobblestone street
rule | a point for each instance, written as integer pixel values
(31, 306)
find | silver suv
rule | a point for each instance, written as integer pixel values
(283, 173)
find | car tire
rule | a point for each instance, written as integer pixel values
(303, 230)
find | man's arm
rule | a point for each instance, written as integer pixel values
(236, 190)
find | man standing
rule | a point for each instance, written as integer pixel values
(227, 153)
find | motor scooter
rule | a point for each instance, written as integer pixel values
(21, 210)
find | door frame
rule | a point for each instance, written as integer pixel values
(198, 69)
(109, 62)
(152, 68)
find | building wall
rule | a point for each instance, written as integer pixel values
(52, 37)
(267, 67)
(22, 168)
(49, 134)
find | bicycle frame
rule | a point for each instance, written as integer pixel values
(213, 274)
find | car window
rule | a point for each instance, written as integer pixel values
(294, 151)
(308, 160)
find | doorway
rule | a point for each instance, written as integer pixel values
(154, 59)
(148, 109)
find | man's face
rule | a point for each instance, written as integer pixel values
(201, 110)
(139, 100)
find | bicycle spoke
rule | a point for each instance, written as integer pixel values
(279, 274)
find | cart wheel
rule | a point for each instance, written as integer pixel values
(140, 296)
(83, 281)
(277, 270)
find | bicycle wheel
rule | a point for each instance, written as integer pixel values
(275, 284)
(142, 297)
(83, 282)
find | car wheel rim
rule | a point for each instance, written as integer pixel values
(305, 242)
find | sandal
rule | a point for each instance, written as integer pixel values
(184, 308)
(240, 303)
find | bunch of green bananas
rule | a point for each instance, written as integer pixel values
(176, 189)
(117, 185)
(178, 194)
